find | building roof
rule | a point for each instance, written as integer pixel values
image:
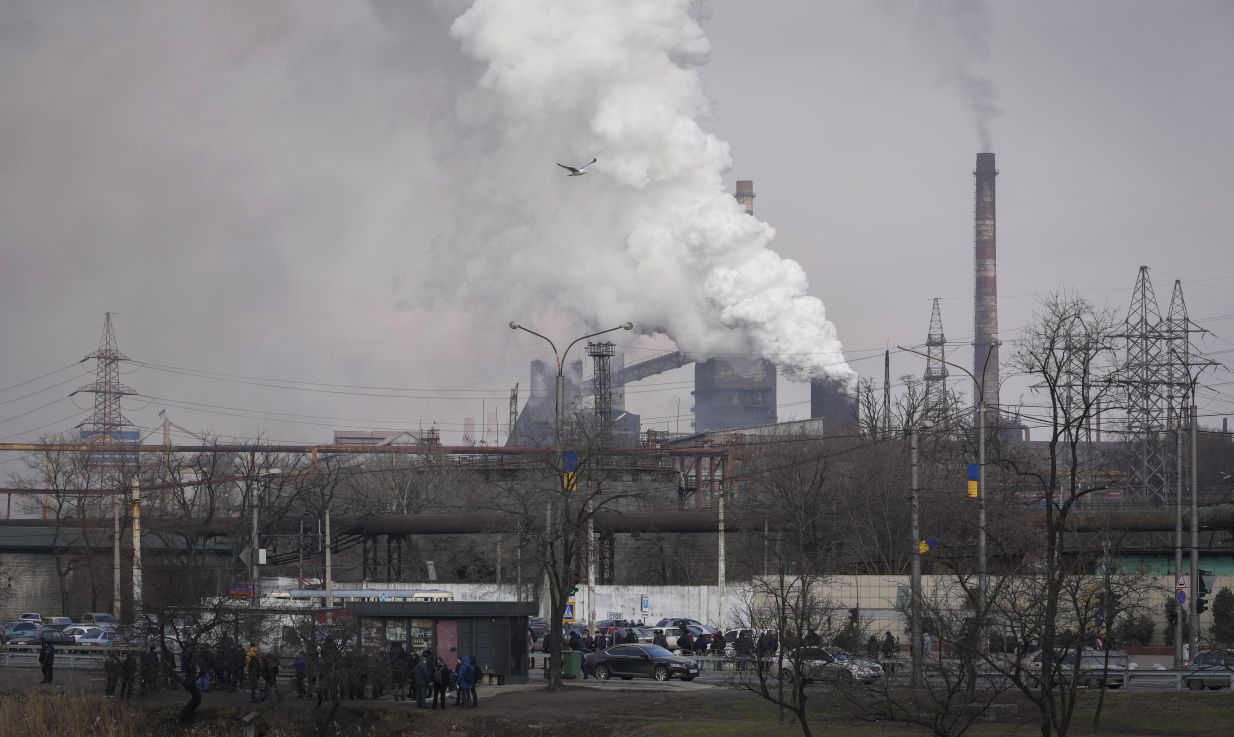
(444, 609)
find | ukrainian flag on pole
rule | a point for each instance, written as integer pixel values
(972, 480)
(569, 476)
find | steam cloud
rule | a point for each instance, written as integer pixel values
(651, 234)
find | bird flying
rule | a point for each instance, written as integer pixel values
(576, 172)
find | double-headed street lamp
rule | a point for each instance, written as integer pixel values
(560, 359)
(979, 386)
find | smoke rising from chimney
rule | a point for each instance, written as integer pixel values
(958, 34)
(651, 234)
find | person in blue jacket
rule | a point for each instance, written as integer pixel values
(467, 683)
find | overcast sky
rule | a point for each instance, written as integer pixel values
(269, 191)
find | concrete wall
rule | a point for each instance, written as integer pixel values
(28, 583)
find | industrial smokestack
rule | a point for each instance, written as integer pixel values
(985, 295)
(745, 194)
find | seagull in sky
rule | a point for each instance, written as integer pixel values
(577, 172)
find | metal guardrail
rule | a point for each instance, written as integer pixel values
(83, 658)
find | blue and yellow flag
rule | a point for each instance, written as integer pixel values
(926, 545)
(973, 475)
(569, 468)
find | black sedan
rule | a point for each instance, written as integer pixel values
(648, 661)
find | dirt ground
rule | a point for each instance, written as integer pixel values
(609, 709)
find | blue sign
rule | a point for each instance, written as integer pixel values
(567, 612)
(646, 603)
(1182, 597)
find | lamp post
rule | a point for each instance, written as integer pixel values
(255, 593)
(915, 596)
(560, 359)
(979, 386)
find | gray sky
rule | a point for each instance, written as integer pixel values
(272, 191)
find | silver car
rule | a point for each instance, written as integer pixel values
(827, 665)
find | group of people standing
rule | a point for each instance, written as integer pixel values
(419, 675)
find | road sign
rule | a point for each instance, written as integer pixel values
(645, 604)
(1182, 597)
(1181, 581)
(383, 597)
(567, 613)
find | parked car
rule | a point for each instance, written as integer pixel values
(75, 631)
(1093, 670)
(57, 622)
(31, 617)
(538, 627)
(634, 661)
(99, 638)
(643, 634)
(827, 664)
(97, 618)
(1211, 668)
(684, 622)
(19, 628)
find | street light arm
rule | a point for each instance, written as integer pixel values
(979, 383)
(623, 326)
(546, 339)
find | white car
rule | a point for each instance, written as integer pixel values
(32, 617)
(76, 631)
(98, 638)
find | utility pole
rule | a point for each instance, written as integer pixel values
(135, 510)
(115, 555)
(329, 569)
(1195, 537)
(1178, 545)
(915, 601)
(300, 557)
(254, 584)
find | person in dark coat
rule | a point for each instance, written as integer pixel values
(128, 672)
(659, 639)
(398, 670)
(872, 648)
(576, 642)
(149, 673)
(299, 667)
(745, 648)
(458, 684)
(206, 667)
(441, 682)
(111, 672)
(631, 637)
(890, 646)
(686, 642)
(422, 678)
(47, 660)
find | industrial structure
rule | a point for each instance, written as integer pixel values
(985, 291)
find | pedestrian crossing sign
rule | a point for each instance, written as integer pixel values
(567, 613)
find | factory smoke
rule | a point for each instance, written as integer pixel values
(957, 33)
(651, 234)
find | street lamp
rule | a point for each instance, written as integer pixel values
(979, 385)
(255, 592)
(560, 359)
(915, 601)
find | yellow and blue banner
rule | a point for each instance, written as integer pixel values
(973, 475)
(569, 471)
(926, 545)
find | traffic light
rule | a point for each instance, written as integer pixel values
(854, 615)
(1202, 589)
(573, 590)
(1171, 613)
(1201, 602)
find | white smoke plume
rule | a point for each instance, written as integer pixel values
(650, 234)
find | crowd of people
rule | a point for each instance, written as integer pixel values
(331, 674)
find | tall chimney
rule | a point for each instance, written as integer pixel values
(985, 296)
(745, 194)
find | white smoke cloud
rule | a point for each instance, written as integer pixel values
(651, 234)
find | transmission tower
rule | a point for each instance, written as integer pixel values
(107, 419)
(1148, 379)
(1178, 358)
(936, 367)
(601, 355)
